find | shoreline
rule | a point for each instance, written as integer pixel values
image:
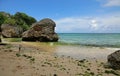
(74, 51)
(61, 42)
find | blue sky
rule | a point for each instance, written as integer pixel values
(77, 16)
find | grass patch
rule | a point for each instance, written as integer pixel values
(63, 69)
(32, 59)
(26, 56)
(112, 72)
(18, 54)
(13, 39)
(82, 61)
(8, 46)
(48, 63)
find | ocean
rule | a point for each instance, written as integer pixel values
(91, 39)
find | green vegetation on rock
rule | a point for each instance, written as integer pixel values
(10, 21)
(20, 19)
(3, 17)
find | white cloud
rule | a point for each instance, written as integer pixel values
(94, 24)
(110, 3)
(97, 24)
(110, 23)
(72, 24)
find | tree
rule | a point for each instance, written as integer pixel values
(25, 27)
(2, 18)
(24, 18)
(20, 19)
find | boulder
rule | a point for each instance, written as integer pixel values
(42, 31)
(11, 31)
(114, 60)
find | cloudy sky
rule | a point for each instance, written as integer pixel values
(71, 16)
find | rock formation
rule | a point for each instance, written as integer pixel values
(114, 60)
(11, 31)
(42, 31)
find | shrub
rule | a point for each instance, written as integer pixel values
(10, 21)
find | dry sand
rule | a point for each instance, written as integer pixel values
(42, 60)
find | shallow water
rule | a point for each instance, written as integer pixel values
(84, 52)
(76, 51)
(64, 49)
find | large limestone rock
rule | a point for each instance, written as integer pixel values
(11, 31)
(114, 60)
(42, 31)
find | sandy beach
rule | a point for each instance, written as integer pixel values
(42, 60)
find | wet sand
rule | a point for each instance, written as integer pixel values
(43, 59)
(74, 51)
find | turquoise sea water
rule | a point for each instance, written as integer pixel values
(91, 39)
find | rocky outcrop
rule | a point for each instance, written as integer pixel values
(11, 31)
(42, 31)
(114, 60)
